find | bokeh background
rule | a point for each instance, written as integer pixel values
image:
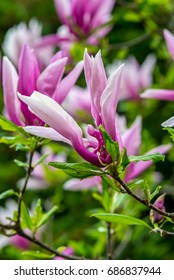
(137, 30)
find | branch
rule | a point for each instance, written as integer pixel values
(143, 201)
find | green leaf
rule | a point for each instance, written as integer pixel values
(120, 219)
(21, 163)
(38, 255)
(146, 191)
(111, 146)
(10, 126)
(78, 170)
(171, 131)
(26, 221)
(8, 193)
(47, 216)
(156, 191)
(155, 157)
(42, 158)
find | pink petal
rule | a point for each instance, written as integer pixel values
(67, 83)
(169, 37)
(109, 101)
(161, 94)
(10, 80)
(146, 70)
(46, 132)
(96, 81)
(28, 71)
(63, 9)
(54, 115)
(132, 137)
(51, 77)
(78, 185)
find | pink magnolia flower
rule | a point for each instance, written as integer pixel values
(84, 19)
(21, 34)
(131, 87)
(131, 139)
(104, 97)
(163, 94)
(30, 78)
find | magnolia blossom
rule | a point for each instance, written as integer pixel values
(131, 86)
(131, 139)
(104, 97)
(163, 94)
(68, 251)
(21, 34)
(30, 78)
(84, 19)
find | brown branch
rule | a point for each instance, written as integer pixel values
(143, 201)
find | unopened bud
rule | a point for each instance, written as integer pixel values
(155, 217)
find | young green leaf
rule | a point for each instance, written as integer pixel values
(146, 191)
(111, 146)
(78, 170)
(156, 191)
(8, 193)
(26, 221)
(120, 219)
(38, 255)
(21, 163)
(155, 157)
(10, 126)
(47, 216)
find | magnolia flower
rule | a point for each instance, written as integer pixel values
(104, 97)
(163, 94)
(131, 139)
(21, 34)
(84, 19)
(30, 78)
(131, 87)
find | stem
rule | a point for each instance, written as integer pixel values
(145, 202)
(130, 43)
(22, 191)
(109, 245)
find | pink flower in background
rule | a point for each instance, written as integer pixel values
(104, 97)
(30, 78)
(68, 251)
(84, 19)
(163, 94)
(39, 178)
(135, 77)
(21, 34)
(169, 37)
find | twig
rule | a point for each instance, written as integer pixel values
(22, 191)
(130, 43)
(109, 247)
(143, 201)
